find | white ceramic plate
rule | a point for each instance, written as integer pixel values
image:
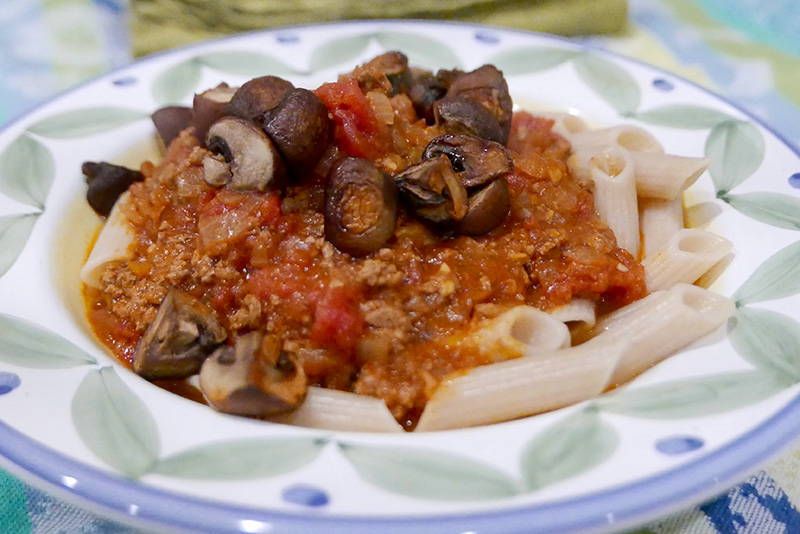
(75, 423)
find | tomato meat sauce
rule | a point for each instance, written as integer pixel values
(390, 323)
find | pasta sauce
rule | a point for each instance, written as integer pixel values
(389, 324)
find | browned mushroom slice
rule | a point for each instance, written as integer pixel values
(183, 334)
(209, 106)
(434, 191)
(463, 116)
(257, 96)
(300, 127)
(360, 206)
(486, 209)
(253, 161)
(426, 88)
(487, 86)
(253, 378)
(170, 121)
(106, 183)
(477, 160)
(391, 67)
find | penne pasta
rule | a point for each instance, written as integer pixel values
(521, 331)
(329, 409)
(685, 257)
(665, 176)
(521, 387)
(566, 124)
(659, 325)
(659, 220)
(578, 311)
(612, 175)
(628, 137)
(113, 243)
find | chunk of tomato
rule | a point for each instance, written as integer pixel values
(337, 320)
(357, 130)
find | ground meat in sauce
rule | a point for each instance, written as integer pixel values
(389, 324)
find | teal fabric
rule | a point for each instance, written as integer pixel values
(13, 505)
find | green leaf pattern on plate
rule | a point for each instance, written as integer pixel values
(339, 51)
(610, 81)
(735, 150)
(27, 170)
(769, 340)
(530, 60)
(693, 397)
(245, 63)
(85, 121)
(683, 116)
(782, 211)
(177, 83)
(241, 459)
(115, 424)
(29, 345)
(14, 233)
(422, 51)
(428, 474)
(777, 277)
(571, 446)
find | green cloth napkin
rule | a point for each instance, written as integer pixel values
(163, 24)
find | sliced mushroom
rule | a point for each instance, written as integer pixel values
(253, 378)
(460, 115)
(183, 334)
(360, 206)
(300, 127)
(487, 86)
(170, 121)
(209, 106)
(393, 66)
(426, 88)
(253, 161)
(257, 96)
(106, 183)
(477, 160)
(486, 209)
(434, 191)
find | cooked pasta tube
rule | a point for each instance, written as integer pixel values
(612, 176)
(665, 175)
(521, 387)
(659, 325)
(685, 257)
(566, 124)
(520, 331)
(627, 136)
(577, 311)
(659, 220)
(114, 243)
(329, 409)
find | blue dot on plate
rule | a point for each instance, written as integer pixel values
(287, 38)
(794, 180)
(125, 81)
(9, 382)
(676, 445)
(487, 37)
(305, 495)
(663, 85)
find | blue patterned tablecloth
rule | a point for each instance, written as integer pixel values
(746, 50)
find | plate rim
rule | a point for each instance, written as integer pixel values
(652, 497)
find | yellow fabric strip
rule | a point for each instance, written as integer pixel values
(163, 24)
